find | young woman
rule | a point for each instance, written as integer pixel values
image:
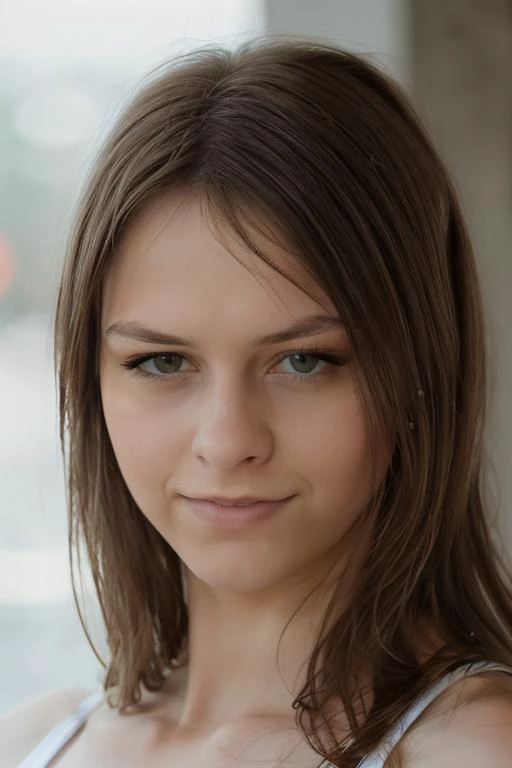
(272, 382)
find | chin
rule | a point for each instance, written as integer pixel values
(239, 572)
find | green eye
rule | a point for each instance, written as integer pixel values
(313, 361)
(166, 363)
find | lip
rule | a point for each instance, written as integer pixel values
(230, 501)
(234, 518)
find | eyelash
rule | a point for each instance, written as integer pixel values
(133, 364)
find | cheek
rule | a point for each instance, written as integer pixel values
(335, 449)
(145, 447)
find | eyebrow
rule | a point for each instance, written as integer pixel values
(308, 326)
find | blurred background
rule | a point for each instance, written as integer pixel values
(66, 68)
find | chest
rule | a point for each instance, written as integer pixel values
(269, 747)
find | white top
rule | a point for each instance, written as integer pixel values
(48, 749)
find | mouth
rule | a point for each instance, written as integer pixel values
(235, 515)
(241, 502)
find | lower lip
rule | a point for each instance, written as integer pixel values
(235, 518)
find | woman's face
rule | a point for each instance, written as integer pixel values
(227, 414)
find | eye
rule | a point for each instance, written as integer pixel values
(163, 366)
(166, 363)
(300, 360)
(166, 366)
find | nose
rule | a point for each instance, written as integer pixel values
(233, 426)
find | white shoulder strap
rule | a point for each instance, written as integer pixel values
(377, 758)
(58, 737)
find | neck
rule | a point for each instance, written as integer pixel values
(248, 653)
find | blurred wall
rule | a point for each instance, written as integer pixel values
(374, 26)
(461, 64)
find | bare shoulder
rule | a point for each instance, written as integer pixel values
(24, 727)
(469, 725)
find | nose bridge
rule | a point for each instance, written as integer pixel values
(232, 421)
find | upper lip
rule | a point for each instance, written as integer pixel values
(237, 500)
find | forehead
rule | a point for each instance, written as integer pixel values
(172, 263)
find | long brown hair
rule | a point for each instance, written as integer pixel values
(323, 148)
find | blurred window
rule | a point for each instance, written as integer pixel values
(67, 67)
